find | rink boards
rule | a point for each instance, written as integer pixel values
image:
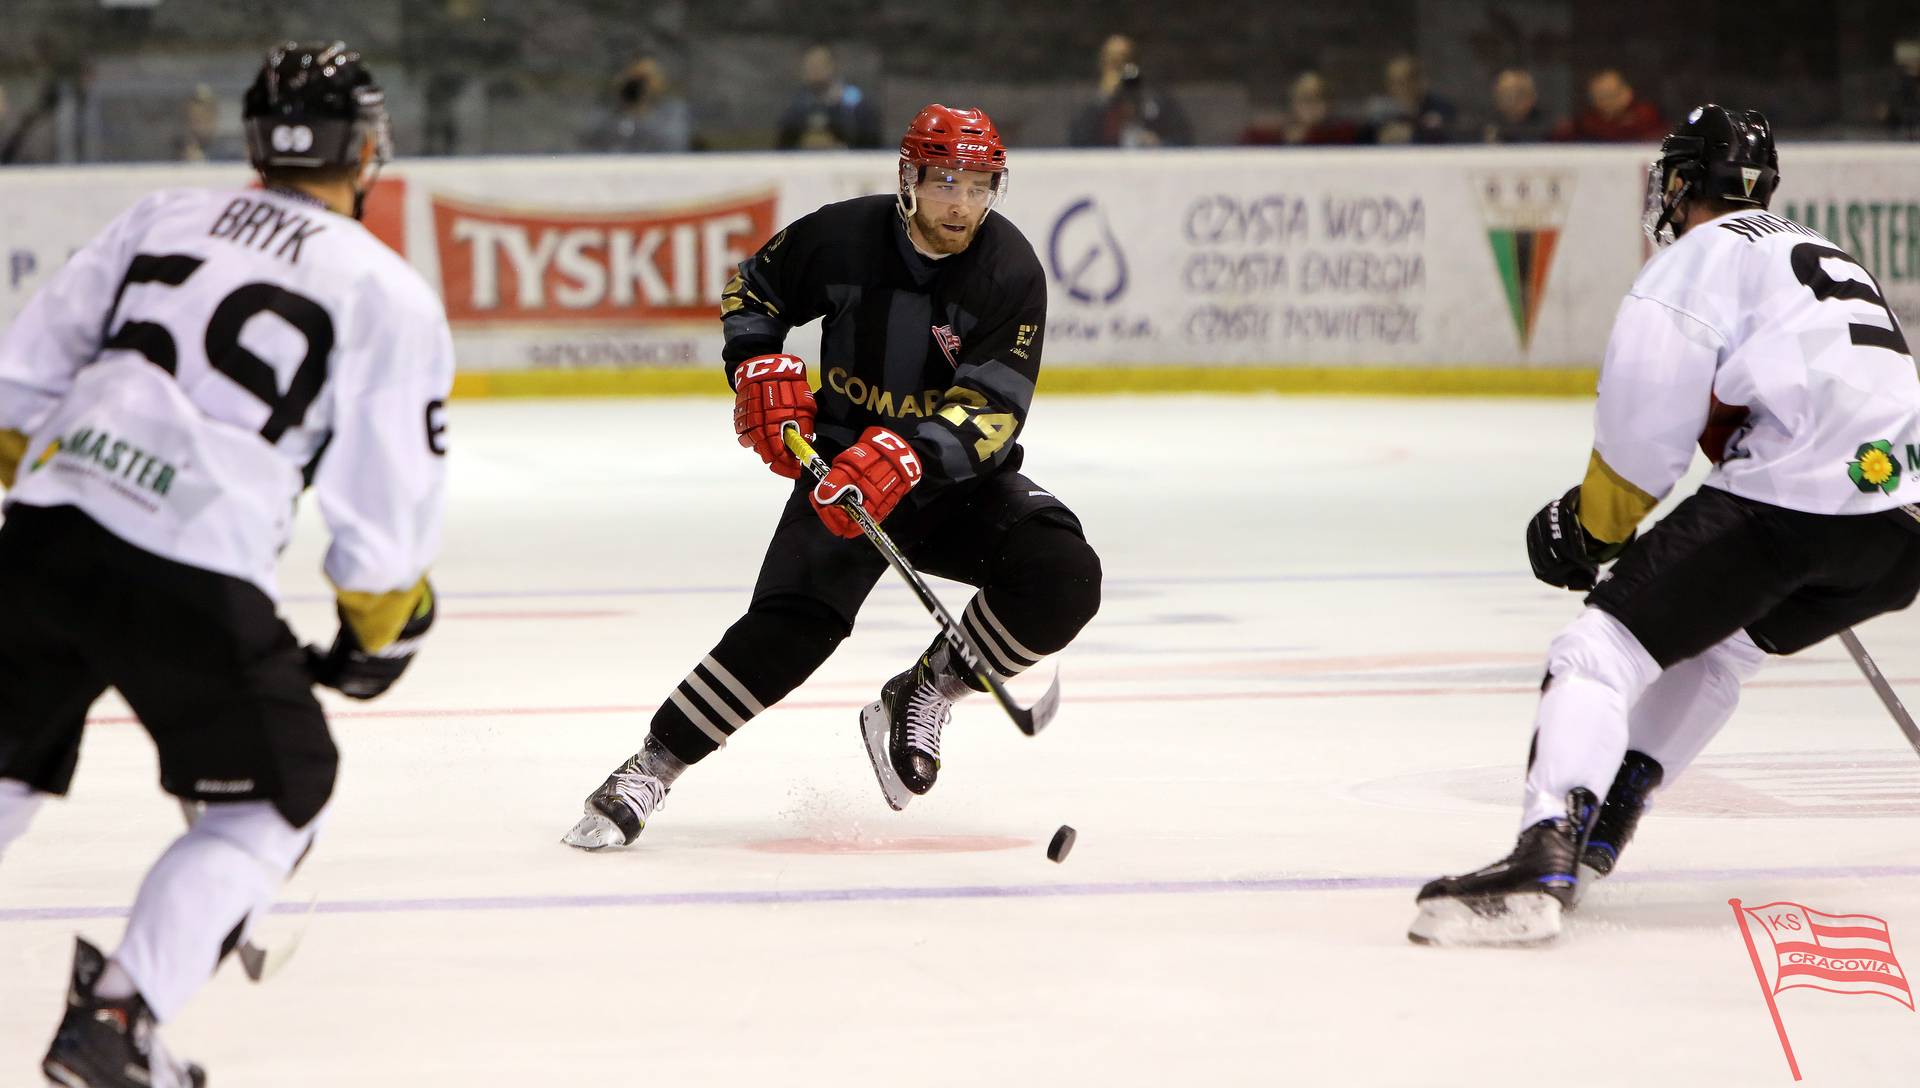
(1464, 270)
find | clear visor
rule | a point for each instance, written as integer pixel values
(967, 188)
(373, 115)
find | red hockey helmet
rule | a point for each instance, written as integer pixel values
(945, 138)
(956, 139)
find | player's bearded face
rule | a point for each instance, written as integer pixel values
(949, 206)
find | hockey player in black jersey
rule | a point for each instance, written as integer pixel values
(933, 310)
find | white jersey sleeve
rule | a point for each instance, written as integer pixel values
(381, 482)
(190, 372)
(1655, 386)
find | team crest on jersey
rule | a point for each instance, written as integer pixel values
(949, 343)
(1873, 468)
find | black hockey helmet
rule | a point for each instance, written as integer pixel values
(312, 106)
(1716, 152)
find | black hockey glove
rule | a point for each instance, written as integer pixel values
(1563, 553)
(358, 674)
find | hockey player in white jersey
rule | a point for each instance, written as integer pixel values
(164, 401)
(1774, 351)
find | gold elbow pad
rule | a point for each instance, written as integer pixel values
(377, 618)
(13, 449)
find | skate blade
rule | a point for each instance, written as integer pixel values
(1588, 877)
(1525, 918)
(594, 832)
(873, 729)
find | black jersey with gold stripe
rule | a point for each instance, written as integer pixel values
(944, 352)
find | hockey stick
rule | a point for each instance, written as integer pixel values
(1030, 720)
(1881, 688)
(258, 962)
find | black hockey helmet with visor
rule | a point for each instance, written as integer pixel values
(1717, 153)
(314, 105)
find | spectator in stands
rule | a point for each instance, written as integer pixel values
(1616, 114)
(827, 111)
(1900, 112)
(1128, 112)
(647, 115)
(1307, 120)
(199, 139)
(1517, 117)
(1409, 112)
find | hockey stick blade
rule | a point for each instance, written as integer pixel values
(259, 963)
(1030, 720)
(262, 963)
(1888, 697)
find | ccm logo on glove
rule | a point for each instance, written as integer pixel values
(769, 391)
(878, 471)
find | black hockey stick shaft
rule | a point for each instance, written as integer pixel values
(1888, 697)
(1030, 719)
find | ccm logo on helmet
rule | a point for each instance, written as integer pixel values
(973, 147)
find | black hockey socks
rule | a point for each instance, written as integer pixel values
(1043, 587)
(765, 655)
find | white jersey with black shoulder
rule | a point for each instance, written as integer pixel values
(185, 376)
(1755, 311)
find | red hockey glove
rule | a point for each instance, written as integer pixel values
(769, 390)
(881, 468)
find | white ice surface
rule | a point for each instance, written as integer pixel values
(1310, 688)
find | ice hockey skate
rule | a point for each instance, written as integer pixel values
(1517, 900)
(1639, 776)
(902, 729)
(110, 1044)
(619, 809)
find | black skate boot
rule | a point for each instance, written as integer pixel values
(1517, 900)
(902, 729)
(1639, 776)
(110, 1044)
(619, 809)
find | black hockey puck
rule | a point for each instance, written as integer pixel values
(1062, 843)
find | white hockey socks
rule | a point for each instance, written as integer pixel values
(1690, 702)
(18, 803)
(1597, 671)
(201, 894)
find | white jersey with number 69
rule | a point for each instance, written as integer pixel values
(1756, 311)
(210, 355)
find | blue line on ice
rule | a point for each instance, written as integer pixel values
(742, 897)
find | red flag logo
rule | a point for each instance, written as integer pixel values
(1838, 953)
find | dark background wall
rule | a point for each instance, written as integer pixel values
(494, 76)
